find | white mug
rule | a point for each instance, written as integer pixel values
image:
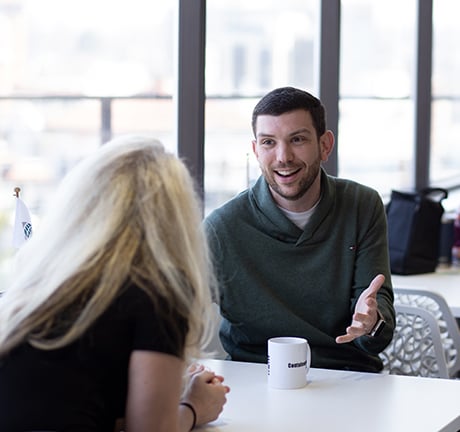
(288, 362)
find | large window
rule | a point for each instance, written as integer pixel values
(445, 136)
(251, 48)
(73, 74)
(376, 121)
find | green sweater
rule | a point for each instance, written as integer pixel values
(277, 280)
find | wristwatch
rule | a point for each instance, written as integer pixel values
(377, 329)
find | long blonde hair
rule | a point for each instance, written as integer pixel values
(128, 212)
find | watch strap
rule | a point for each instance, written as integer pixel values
(379, 325)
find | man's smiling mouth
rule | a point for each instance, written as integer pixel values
(287, 172)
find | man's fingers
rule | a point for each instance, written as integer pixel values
(361, 316)
(375, 285)
(344, 339)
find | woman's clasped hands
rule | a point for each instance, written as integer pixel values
(205, 391)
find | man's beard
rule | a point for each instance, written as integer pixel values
(304, 184)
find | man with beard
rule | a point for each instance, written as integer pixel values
(302, 253)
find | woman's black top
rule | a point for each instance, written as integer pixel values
(83, 386)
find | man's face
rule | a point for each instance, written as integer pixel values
(289, 153)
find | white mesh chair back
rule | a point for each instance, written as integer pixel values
(416, 348)
(448, 327)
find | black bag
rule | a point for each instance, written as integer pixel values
(414, 224)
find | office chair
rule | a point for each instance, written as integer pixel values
(416, 348)
(448, 327)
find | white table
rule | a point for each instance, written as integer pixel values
(444, 281)
(335, 401)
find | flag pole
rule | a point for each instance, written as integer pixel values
(22, 223)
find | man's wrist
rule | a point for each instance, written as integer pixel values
(379, 325)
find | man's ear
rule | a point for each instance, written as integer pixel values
(326, 143)
(254, 148)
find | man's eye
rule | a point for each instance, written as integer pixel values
(267, 142)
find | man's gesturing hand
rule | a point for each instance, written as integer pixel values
(365, 316)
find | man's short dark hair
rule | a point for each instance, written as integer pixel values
(286, 99)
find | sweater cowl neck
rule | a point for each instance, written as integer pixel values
(280, 226)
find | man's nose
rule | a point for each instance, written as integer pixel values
(284, 152)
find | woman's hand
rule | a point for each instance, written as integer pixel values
(206, 392)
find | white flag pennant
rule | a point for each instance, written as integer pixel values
(22, 224)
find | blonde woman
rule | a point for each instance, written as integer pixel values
(110, 301)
